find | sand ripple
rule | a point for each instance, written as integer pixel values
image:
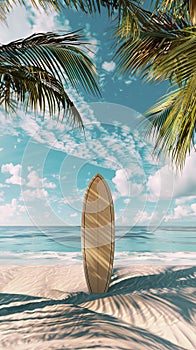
(50, 308)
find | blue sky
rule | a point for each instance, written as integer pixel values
(45, 167)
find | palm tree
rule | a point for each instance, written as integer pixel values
(35, 72)
(157, 45)
(164, 48)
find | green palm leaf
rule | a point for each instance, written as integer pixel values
(166, 49)
(86, 6)
(156, 37)
(178, 8)
(173, 122)
(179, 63)
(36, 90)
(34, 70)
(156, 45)
(8, 5)
(2, 13)
(185, 9)
(61, 55)
(123, 10)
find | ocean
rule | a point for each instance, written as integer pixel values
(168, 245)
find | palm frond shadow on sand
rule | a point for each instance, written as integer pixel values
(74, 322)
(102, 316)
(169, 280)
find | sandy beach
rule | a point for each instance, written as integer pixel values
(49, 307)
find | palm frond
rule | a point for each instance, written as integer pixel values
(86, 6)
(166, 49)
(61, 55)
(157, 36)
(185, 9)
(2, 13)
(135, 21)
(127, 22)
(34, 71)
(36, 90)
(8, 5)
(178, 63)
(177, 8)
(122, 10)
(173, 122)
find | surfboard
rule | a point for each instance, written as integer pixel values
(98, 235)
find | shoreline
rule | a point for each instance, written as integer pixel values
(123, 258)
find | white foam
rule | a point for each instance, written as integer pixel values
(163, 258)
(75, 258)
(46, 258)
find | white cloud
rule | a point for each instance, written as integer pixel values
(127, 200)
(166, 184)
(43, 21)
(135, 189)
(18, 24)
(184, 200)
(3, 185)
(160, 185)
(129, 81)
(121, 181)
(15, 171)
(1, 196)
(34, 180)
(37, 182)
(29, 195)
(74, 215)
(114, 149)
(115, 196)
(111, 150)
(183, 210)
(57, 176)
(193, 207)
(47, 184)
(124, 186)
(124, 220)
(186, 182)
(36, 20)
(178, 213)
(10, 210)
(143, 217)
(109, 66)
(149, 158)
(1, 149)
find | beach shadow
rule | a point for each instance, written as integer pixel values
(150, 286)
(169, 278)
(19, 303)
(55, 319)
(117, 315)
(6, 299)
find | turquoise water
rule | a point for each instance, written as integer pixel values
(63, 244)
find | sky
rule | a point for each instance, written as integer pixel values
(46, 166)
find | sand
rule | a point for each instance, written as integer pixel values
(49, 307)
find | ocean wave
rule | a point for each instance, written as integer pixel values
(172, 258)
(75, 258)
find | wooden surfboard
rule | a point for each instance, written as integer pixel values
(98, 235)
